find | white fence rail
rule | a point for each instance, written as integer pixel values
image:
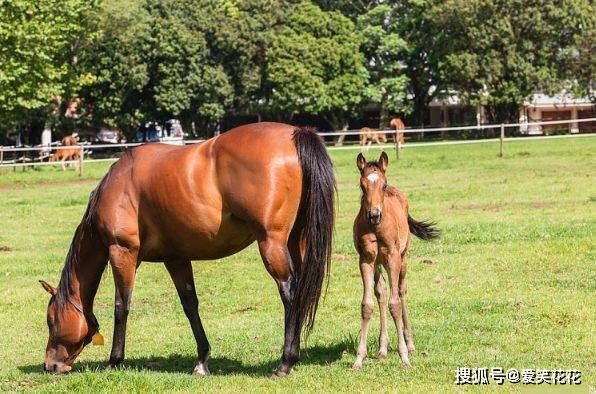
(38, 161)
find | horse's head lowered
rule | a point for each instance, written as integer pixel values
(69, 331)
(373, 184)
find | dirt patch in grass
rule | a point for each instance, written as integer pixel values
(4, 248)
(340, 257)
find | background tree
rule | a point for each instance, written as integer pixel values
(39, 41)
(314, 66)
(503, 51)
(384, 50)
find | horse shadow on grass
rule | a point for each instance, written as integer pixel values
(179, 363)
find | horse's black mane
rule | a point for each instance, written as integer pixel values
(71, 261)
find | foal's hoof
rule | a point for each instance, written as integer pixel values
(411, 348)
(201, 370)
(406, 364)
(382, 356)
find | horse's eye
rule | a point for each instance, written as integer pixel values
(384, 186)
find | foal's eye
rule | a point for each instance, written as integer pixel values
(384, 186)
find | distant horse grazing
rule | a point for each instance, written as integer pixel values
(366, 133)
(66, 154)
(268, 182)
(398, 125)
(382, 238)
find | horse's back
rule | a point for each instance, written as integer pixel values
(198, 201)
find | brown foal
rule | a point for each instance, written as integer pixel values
(266, 182)
(382, 235)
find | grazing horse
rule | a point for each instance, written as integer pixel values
(382, 235)
(398, 125)
(366, 133)
(268, 182)
(66, 154)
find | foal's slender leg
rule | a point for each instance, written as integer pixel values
(381, 293)
(367, 271)
(403, 289)
(393, 267)
(181, 273)
(124, 265)
(277, 259)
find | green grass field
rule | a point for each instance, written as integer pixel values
(511, 283)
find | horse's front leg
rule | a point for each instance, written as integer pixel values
(278, 262)
(124, 265)
(181, 273)
(367, 272)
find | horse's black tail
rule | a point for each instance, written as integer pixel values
(423, 230)
(315, 219)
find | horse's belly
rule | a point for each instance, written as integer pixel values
(193, 242)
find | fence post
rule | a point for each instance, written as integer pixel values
(1, 160)
(81, 161)
(501, 140)
(397, 144)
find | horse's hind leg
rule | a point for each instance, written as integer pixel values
(393, 267)
(367, 272)
(181, 273)
(403, 288)
(124, 264)
(276, 256)
(381, 294)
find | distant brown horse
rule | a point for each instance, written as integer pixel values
(72, 139)
(66, 154)
(398, 125)
(366, 133)
(382, 235)
(268, 182)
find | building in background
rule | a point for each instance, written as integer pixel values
(542, 108)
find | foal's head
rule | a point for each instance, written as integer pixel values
(373, 184)
(69, 332)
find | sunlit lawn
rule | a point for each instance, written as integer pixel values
(511, 283)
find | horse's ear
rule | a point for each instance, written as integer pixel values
(360, 161)
(49, 288)
(383, 161)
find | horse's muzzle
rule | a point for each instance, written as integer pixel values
(374, 216)
(53, 367)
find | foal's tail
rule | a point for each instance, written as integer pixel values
(423, 230)
(315, 220)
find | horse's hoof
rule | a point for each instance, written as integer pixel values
(406, 364)
(411, 348)
(382, 356)
(280, 374)
(357, 366)
(201, 370)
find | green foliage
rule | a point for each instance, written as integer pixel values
(38, 47)
(314, 66)
(384, 49)
(503, 51)
(132, 61)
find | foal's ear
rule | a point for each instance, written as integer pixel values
(49, 288)
(360, 161)
(383, 161)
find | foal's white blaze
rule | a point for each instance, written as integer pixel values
(373, 177)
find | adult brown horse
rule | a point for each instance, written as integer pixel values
(268, 182)
(398, 125)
